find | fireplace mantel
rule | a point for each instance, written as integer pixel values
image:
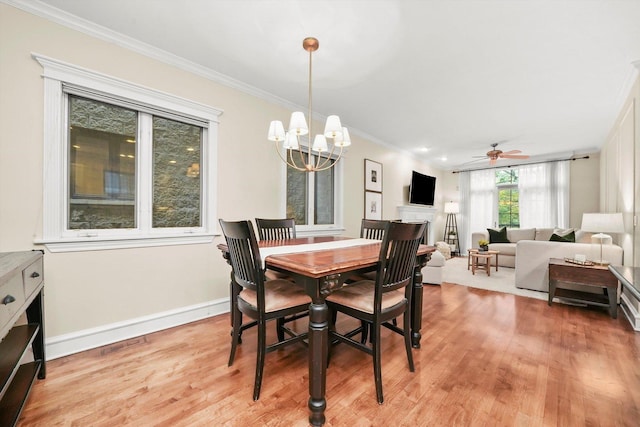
(414, 213)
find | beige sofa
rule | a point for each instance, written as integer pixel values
(507, 256)
(529, 251)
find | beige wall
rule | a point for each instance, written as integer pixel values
(584, 193)
(98, 288)
(620, 177)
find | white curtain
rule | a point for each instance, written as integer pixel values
(544, 195)
(478, 203)
(464, 232)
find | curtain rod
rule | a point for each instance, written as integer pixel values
(522, 164)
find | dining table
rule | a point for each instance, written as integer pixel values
(321, 265)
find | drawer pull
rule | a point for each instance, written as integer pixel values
(35, 274)
(8, 299)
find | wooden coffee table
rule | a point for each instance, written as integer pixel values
(486, 265)
(472, 251)
(597, 276)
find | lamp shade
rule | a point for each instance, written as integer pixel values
(276, 131)
(603, 222)
(344, 140)
(298, 124)
(451, 207)
(333, 127)
(291, 141)
(320, 144)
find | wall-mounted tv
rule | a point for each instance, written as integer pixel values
(422, 189)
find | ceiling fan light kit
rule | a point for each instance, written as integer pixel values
(494, 154)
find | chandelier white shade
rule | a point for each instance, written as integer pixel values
(296, 154)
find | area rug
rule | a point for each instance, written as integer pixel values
(455, 271)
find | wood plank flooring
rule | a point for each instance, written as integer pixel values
(487, 359)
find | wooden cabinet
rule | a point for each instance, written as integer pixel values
(21, 293)
(595, 276)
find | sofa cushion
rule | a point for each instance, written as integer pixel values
(563, 231)
(569, 237)
(516, 234)
(504, 248)
(498, 236)
(544, 233)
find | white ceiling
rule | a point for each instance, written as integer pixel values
(546, 77)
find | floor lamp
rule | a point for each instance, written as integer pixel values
(451, 227)
(602, 223)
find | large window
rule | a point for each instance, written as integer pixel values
(128, 166)
(508, 198)
(312, 198)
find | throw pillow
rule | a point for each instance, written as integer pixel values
(568, 238)
(498, 236)
(563, 231)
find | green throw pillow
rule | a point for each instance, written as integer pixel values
(498, 236)
(569, 238)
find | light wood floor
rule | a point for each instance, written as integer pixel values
(487, 359)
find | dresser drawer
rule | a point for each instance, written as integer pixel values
(10, 291)
(32, 277)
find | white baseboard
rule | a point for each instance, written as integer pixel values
(630, 312)
(64, 345)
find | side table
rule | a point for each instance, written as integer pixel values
(597, 276)
(489, 252)
(475, 265)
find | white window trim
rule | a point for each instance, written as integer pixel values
(55, 234)
(337, 227)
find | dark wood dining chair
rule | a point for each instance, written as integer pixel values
(369, 229)
(379, 301)
(276, 229)
(373, 229)
(259, 299)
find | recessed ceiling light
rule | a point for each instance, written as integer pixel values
(443, 158)
(173, 162)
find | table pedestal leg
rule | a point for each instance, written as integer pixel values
(416, 302)
(318, 340)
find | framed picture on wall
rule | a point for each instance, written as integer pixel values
(372, 176)
(372, 205)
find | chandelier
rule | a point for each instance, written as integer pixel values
(296, 156)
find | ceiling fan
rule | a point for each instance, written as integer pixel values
(494, 154)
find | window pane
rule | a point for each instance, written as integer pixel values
(507, 176)
(297, 195)
(324, 196)
(102, 166)
(508, 207)
(176, 174)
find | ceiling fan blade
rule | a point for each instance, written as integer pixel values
(512, 152)
(514, 156)
(472, 161)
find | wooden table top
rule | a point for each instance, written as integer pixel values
(562, 262)
(321, 263)
(488, 251)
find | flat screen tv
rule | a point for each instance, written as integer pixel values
(422, 189)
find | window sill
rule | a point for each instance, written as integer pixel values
(99, 244)
(302, 231)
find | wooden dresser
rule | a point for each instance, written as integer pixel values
(21, 292)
